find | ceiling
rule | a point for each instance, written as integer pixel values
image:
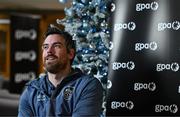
(6, 5)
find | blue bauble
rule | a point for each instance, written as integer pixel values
(69, 12)
(85, 1)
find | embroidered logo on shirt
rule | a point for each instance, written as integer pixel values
(41, 97)
(68, 92)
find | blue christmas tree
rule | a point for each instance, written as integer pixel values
(87, 21)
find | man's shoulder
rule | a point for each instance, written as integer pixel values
(89, 79)
(83, 76)
(37, 82)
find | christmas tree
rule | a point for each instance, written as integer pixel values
(87, 21)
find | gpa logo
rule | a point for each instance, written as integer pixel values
(128, 105)
(171, 25)
(29, 55)
(129, 65)
(150, 46)
(173, 108)
(125, 26)
(179, 89)
(145, 86)
(113, 7)
(109, 84)
(30, 34)
(111, 45)
(68, 92)
(173, 66)
(148, 6)
(20, 77)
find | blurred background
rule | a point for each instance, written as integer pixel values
(22, 24)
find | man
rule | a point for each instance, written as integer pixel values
(63, 91)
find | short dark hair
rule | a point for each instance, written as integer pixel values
(70, 43)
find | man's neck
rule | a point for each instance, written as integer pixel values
(56, 79)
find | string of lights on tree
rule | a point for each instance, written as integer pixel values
(87, 21)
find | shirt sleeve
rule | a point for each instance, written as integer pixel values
(24, 109)
(90, 101)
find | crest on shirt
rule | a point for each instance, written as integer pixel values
(68, 92)
(41, 97)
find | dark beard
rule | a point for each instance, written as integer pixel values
(52, 68)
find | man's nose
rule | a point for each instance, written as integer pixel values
(50, 49)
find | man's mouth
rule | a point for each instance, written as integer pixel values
(51, 58)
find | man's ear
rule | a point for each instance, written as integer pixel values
(71, 53)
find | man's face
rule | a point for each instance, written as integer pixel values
(55, 55)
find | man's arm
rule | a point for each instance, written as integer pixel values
(24, 109)
(90, 102)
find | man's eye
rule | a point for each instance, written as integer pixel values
(45, 47)
(57, 46)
